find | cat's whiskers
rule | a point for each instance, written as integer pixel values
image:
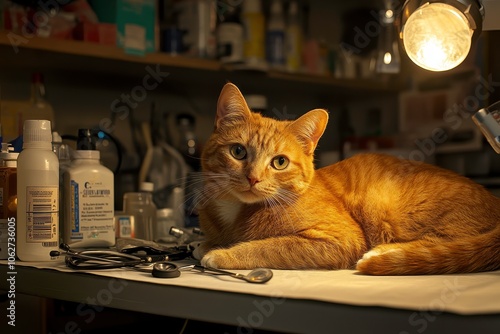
(213, 186)
(279, 211)
(286, 200)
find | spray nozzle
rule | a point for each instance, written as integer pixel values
(7, 147)
(87, 140)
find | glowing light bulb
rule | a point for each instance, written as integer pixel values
(387, 58)
(437, 37)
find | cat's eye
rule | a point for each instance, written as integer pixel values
(280, 162)
(238, 151)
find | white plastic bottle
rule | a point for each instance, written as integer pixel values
(37, 194)
(275, 36)
(230, 36)
(88, 199)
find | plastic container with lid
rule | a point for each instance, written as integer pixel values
(88, 197)
(230, 34)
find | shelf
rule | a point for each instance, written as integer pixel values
(92, 57)
(362, 84)
(95, 50)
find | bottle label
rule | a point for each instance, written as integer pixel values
(42, 215)
(91, 210)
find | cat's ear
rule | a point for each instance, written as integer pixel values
(231, 107)
(309, 128)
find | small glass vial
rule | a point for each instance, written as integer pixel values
(141, 206)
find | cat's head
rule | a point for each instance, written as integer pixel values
(254, 158)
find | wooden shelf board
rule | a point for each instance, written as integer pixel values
(86, 49)
(89, 55)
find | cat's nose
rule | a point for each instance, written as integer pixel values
(252, 180)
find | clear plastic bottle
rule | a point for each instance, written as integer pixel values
(293, 38)
(275, 36)
(40, 108)
(254, 28)
(141, 206)
(62, 152)
(37, 194)
(88, 198)
(8, 192)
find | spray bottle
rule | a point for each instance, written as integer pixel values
(37, 194)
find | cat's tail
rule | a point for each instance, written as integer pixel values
(472, 254)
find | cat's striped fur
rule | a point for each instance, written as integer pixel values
(379, 214)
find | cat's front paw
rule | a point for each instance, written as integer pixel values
(219, 258)
(200, 250)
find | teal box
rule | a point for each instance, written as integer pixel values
(135, 23)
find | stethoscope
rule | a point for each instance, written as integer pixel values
(159, 266)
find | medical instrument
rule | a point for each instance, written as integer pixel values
(107, 259)
(156, 262)
(259, 275)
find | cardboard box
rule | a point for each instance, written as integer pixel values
(135, 23)
(102, 33)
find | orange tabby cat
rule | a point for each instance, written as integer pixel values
(264, 205)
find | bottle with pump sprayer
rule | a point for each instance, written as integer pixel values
(88, 197)
(37, 194)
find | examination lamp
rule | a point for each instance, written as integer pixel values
(437, 34)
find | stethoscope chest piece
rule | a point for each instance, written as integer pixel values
(165, 269)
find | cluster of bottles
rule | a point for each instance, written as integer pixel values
(246, 35)
(51, 193)
(43, 183)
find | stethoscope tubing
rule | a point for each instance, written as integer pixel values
(103, 259)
